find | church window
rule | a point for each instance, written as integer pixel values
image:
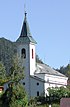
(32, 54)
(37, 83)
(23, 83)
(23, 53)
(37, 93)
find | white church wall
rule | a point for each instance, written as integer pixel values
(32, 60)
(36, 86)
(59, 80)
(25, 62)
(26, 65)
(52, 81)
(46, 85)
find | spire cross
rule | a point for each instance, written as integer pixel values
(25, 8)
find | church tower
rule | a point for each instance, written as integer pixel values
(26, 51)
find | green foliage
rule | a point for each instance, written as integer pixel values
(56, 94)
(46, 105)
(32, 102)
(16, 70)
(14, 96)
(68, 87)
(68, 71)
(7, 50)
(55, 105)
(2, 74)
(65, 70)
(38, 60)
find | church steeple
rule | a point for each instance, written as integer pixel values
(25, 35)
(25, 28)
(26, 53)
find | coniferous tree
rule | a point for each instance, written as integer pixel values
(3, 78)
(17, 70)
(15, 95)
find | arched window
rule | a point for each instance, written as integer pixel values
(37, 93)
(23, 53)
(32, 54)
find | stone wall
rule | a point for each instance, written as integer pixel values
(65, 102)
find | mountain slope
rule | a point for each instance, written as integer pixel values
(7, 50)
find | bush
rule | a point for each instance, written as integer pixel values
(55, 105)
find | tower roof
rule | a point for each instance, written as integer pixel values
(25, 28)
(25, 35)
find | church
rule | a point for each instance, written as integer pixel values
(38, 77)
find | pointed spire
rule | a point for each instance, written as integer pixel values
(25, 14)
(25, 28)
(25, 36)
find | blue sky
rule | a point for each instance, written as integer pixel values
(49, 22)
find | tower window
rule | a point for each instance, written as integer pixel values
(23, 53)
(32, 54)
(37, 93)
(37, 83)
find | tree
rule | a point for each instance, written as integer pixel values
(3, 78)
(16, 70)
(68, 71)
(57, 93)
(38, 60)
(65, 70)
(15, 95)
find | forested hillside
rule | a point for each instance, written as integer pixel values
(7, 50)
(65, 70)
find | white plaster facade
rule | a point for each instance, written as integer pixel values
(51, 77)
(37, 86)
